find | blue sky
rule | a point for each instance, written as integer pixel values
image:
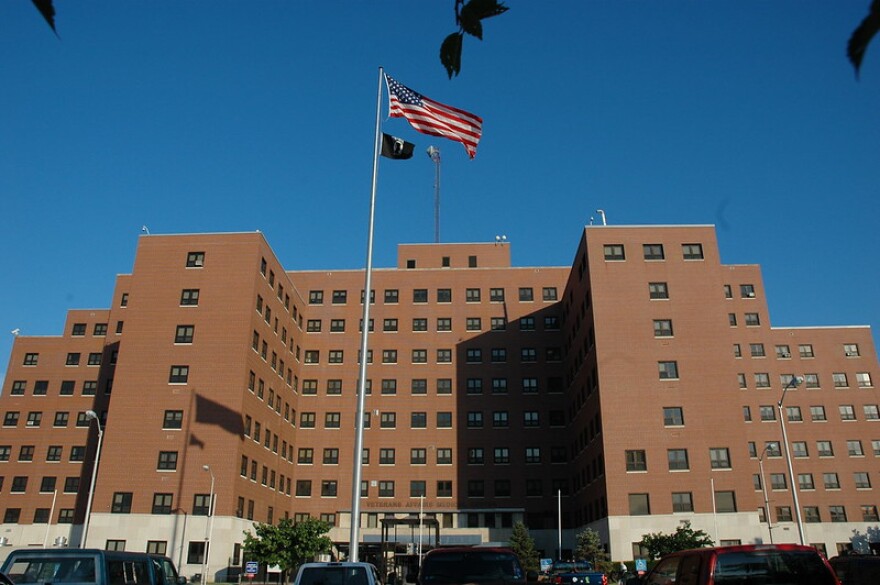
(219, 116)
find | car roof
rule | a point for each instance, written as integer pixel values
(744, 548)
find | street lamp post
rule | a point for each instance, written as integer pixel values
(793, 383)
(210, 527)
(764, 490)
(92, 415)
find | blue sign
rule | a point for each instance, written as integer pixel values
(641, 566)
(251, 568)
(546, 565)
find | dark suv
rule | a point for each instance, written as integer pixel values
(781, 564)
(460, 565)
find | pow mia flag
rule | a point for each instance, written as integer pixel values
(396, 148)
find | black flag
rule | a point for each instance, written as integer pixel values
(396, 148)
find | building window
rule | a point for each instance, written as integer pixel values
(444, 456)
(162, 503)
(668, 370)
(838, 513)
(496, 295)
(863, 379)
(614, 252)
(121, 503)
(662, 328)
(762, 380)
(78, 330)
(173, 419)
(72, 359)
(677, 459)
(420, 295)
(673, 416)
(839, 379)
(692, 251)
(195, 259)
(444, 420)
(824, 449)
(420, 324)
(639, 505)
(778, 481)
(178, 375)
(444, 295)
(831, 481)
(312, 356)
(757, 349)
(862, 480)
(869, 513)
(636, 461)
(444, 324)
(872, 411)
(473, 324)
(388, 420)
(548, 293)
(184, 334)
(386, 489)
(851, 350)
(682, 502)
(719, 458)
(392, 296)
(472, 295)
(768, 413)
(658, 290)
(783, 352)
(653, 251)
(167, 461)
(31, 359)
(501, 455)
(847, 412)
(419, 386)
(526, 294)
(475, 456)
(854, 448)
(332, 420)
(752, 320)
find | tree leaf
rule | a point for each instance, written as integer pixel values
(858, 42)
(480, 9)
(450, 53)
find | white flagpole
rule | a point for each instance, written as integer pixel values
(365, 329)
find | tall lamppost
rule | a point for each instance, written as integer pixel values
(92, 415)
(764, 490)
(793, 383)
(210, 527)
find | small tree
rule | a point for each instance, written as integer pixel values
(523, 545)
(287, 544)
(589, 548)
(684, 537)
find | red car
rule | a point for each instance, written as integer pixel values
(756, 564)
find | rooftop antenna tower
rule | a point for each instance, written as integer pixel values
(434, 153)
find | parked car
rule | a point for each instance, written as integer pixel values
(88, 567)
(576, 573)
(461, 565)
(337, 574)
(857, 569)
(781, 564)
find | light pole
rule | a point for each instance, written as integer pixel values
(210, 527)
(764, 490)
(793, 383)
(92, 415)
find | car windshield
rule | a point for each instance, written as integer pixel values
(772, 567)
(52, 570)
(333, 576)
(470, 567)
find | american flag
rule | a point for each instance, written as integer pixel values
(430, 117)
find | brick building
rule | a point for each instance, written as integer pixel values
(636, 388)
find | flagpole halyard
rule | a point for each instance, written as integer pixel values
(354, 536)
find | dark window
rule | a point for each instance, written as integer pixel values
(178, 375)
(653, 251)
(614, 252)
(173, 419)
(692, 251)
(167, 461)
(195, 259)
(162, 503)
(184, 334)
(121, 503)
